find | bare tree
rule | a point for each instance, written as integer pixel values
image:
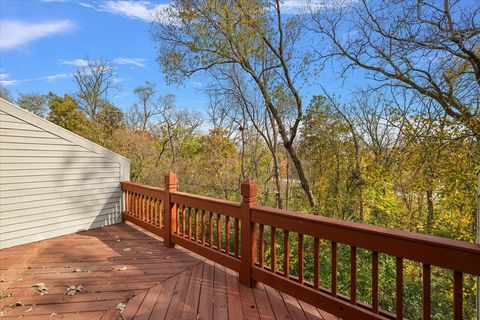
(35, 103)
(5, 94)
(252, 35)
(430, 47)
(145, 115)
(94, 81)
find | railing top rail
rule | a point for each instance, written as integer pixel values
(230, 208)
(443, 252)
(375, 230)
(141, 188)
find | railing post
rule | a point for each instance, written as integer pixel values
(170, 208)
(248, 233)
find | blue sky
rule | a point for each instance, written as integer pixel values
(43, 41)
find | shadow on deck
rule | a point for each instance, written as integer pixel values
(124, 264)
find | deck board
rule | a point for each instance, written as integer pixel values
(122, 263)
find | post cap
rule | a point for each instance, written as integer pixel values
(248, 190)
(170, 181)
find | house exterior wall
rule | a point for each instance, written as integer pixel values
(52, 181)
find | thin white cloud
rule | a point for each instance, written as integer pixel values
(15, 33)
(80, 63)
(54, 77)
(86, 5)
(75, 62)
(134, 9)
(5, 81)
(139, 62)
(142, 10)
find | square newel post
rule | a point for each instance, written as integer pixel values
(248, 233)
(170, 223)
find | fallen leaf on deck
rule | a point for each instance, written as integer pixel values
(4, 295)
(29, 309)
(19, 279)
(73, 290)
(123, 268)
(121, 306)
(53, 314)
(41, 288)
(77, 270)
(127, 249)
(149, 252)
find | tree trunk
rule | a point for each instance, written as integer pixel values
(429, 210)
(301, 173)
(277, 182)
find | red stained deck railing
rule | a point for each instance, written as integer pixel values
(233, 234)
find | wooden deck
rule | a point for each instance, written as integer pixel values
(123, 264)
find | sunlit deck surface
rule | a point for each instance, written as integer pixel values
(124, 264)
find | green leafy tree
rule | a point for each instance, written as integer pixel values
(65, 112)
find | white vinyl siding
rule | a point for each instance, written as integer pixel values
(53, 182)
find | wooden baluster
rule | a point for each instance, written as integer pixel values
(210, 228)
(151, 207)
(316, 264)
(236, 236)
(196, 225)
(427, 308)
(132, 203)
(219, 233)
(353, 275)
(375, 282)
(146, 208)
(126, 204)
(135, 213)
(142, 208)
(399, 287)
(457, 295)
(203, 227)
(160, 215)
(178, 218)
(261, 242)
(273, 249)
(227, 235)
(184, 221)
(137, 205)
(334, 269)
(156, 213)
(286, 255)
(189, 222)
(300, 258)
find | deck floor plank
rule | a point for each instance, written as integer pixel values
(122, 263)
